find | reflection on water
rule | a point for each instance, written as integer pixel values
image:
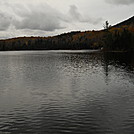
(59, 92)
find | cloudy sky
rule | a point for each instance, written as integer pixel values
(52, 17)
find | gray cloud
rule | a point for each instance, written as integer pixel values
(120, 2)
(77, 16)
(39, 18)
(40, 21)
(34, 17)
(74, 13)
(5, 21)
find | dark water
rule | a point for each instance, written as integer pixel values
(64, 92)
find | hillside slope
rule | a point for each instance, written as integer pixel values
(128, 22)
(120, 37)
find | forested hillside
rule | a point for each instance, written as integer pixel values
(119, 37)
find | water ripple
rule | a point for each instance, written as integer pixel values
(58, 92)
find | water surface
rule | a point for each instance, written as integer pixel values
(66, 92)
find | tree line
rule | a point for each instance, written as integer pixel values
(111, 38)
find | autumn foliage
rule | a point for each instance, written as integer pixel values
(118, 37)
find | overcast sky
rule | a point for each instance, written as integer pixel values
(52, 17)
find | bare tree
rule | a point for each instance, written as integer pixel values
(106, 25)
